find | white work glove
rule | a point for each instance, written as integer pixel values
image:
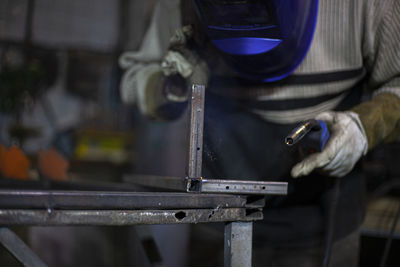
(348, 142)
(183, 61)
(135, 83)
(152, 85)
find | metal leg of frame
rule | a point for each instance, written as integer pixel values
(238, 244)
(19, 249)
(149, 245)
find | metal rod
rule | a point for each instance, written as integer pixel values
(203, 185)
(19, 249)
(86, 200)
(300, 131)
(243, 187)
(196, 131)
(119, 217)
(238, 244)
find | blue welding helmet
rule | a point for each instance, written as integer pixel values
(262, 40)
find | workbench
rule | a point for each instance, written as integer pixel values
(85, 208)
(193, 199)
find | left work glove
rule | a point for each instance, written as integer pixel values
(348, 142)
(181, 59)
(160, 89)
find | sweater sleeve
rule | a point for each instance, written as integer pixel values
(381, 115)
(381, 45)
(165, 20)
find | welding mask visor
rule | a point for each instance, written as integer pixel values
(262, 40)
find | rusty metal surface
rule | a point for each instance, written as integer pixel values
(37, 199)
(118, 217)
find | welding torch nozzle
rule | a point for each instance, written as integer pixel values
(299, 132)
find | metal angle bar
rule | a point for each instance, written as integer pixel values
(239, 187)
(196, 131)
(203, 185)
(19, 249)
(149, 245)
(82, 200)
(120, 218)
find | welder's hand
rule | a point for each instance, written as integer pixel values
(157, 97)
(183, 60)
(345, 147)
(160, 89)
(136, 83)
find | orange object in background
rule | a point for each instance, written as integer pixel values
(53, 165)
(3, 149)
(14, 163)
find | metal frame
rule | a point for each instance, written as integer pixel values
(86, 200)
(194, 181)
(238, 234)
(54, 208)
(80, 208)
(238, 244)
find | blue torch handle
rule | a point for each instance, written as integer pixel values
(325, 135)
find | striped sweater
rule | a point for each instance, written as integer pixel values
(355, 41)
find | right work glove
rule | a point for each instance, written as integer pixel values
(353, 134)
(347, 144)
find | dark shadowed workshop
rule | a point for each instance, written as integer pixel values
(200, 133)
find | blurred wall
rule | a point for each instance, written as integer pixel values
(82, 32)
(89, 24)
(137, 19)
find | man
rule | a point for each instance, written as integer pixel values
(252, 104)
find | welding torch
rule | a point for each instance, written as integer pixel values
(317, 136)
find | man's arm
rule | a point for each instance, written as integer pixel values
(143, 67)
(158, 76)
(381, 116)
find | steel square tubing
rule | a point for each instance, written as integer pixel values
(82, 200)
(118, 217)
